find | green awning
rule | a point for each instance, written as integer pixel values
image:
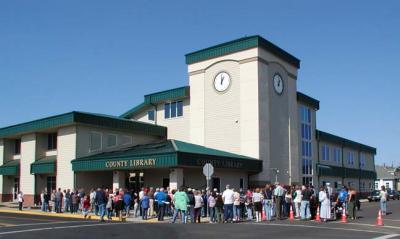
(45, 165)
(335, 171)
(10, 168)
(166, 154)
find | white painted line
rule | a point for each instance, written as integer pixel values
(55, 228)
(368, 225)
(387, 236)
(322, 227)
(395, 220)
(42, 223)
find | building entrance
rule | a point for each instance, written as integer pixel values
(135, 181)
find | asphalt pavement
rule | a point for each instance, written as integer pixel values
(33, 226)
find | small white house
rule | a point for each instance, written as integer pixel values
(388, 177)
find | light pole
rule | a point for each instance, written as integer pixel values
(276, 171)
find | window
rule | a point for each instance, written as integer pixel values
(241, 183)
(52, 141)
(337, 154)
(306, 143)
(95, 141)
(325, 153)
(167, 110)
(51, 183)
(173, 109)
(376, 186)
(350, 158)
(362, 160)
(307, 181)
(111, 140)
(386, 185)
(150, 115)
(335, 184)
(17, 146)
(125, 139)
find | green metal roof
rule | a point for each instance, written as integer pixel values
(45, 165)
(345, 142)
(335, 171)
(308, 100)
(240, 45)
(165, 154)
(76, 117)
(10, 168)
(155, 98)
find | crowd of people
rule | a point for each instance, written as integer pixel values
(191, 205)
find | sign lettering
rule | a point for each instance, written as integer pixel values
(130, 163)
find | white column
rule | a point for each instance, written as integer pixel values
(118, 180)
(66, 151)
(175, 178)
(28, 155)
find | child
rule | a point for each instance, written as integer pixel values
(109, 206)
(86, 206)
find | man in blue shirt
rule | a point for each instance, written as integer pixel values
(127, 202)
(101, 202)
(160, 198)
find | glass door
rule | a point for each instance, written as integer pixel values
(15, 189)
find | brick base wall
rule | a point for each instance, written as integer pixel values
(29, 200)
(6, 197)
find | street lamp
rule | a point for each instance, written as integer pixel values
(276, 171)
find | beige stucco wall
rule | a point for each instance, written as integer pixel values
(28, 156)
(66, 147)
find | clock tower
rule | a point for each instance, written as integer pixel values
(243, 100)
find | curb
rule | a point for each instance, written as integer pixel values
(60, 215)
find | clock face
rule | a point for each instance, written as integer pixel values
(222, 81)
(278, 83)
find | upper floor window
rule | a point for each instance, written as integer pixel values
(173, 109)
(111, 140)
(325, 152)
(151, 115)
(362, 160)
(95, 141)
(337, 154)
(350, 158)
(52, 141)
(17, 146)
(125, 139)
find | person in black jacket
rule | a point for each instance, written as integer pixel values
(191, 204)
(219, 207)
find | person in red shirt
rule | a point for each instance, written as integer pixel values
(86, 206)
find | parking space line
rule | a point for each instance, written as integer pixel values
(33, 219)
(366, 224)
(387, 236)
(62, 227)
(43, 223)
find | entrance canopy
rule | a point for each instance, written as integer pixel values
(10, 168)
(45, 165)
(166, 154)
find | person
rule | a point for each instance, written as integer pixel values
(325, 210)
(119, 204)
(43, 206)
(383, 201)
(267, 201)
(342, 197)
(160, 199)
(136, 207)
(74, 201)
(109, 206)
(257, 202)
(279, 193)
(150, 194)
(127, 202)
(236, 206)
(305, 203)
(180, 201)
(58, 200)
(249, 204)
(352, 203)
(86, 206)
(219, 208)
(191, 204)
(52, 201)
(211, 205)
(228, 198)
(93, 206)
(101, 202)
(205, 204)
(46, 200)
(198, 204)
(145, 204)
(20, 198)
(297, 200)
(67, 200)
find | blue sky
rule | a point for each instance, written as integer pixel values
(103, 56)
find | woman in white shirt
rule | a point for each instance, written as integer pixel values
(198, 204)
(297, 201)
(383, 195)
(20, 198)
(257, 199)
(325, 210)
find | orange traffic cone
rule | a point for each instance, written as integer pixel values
(291, 215)
(379, 221)
(263, 216)
(317, 218)
(344, 217)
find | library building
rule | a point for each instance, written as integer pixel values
(240, 111)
